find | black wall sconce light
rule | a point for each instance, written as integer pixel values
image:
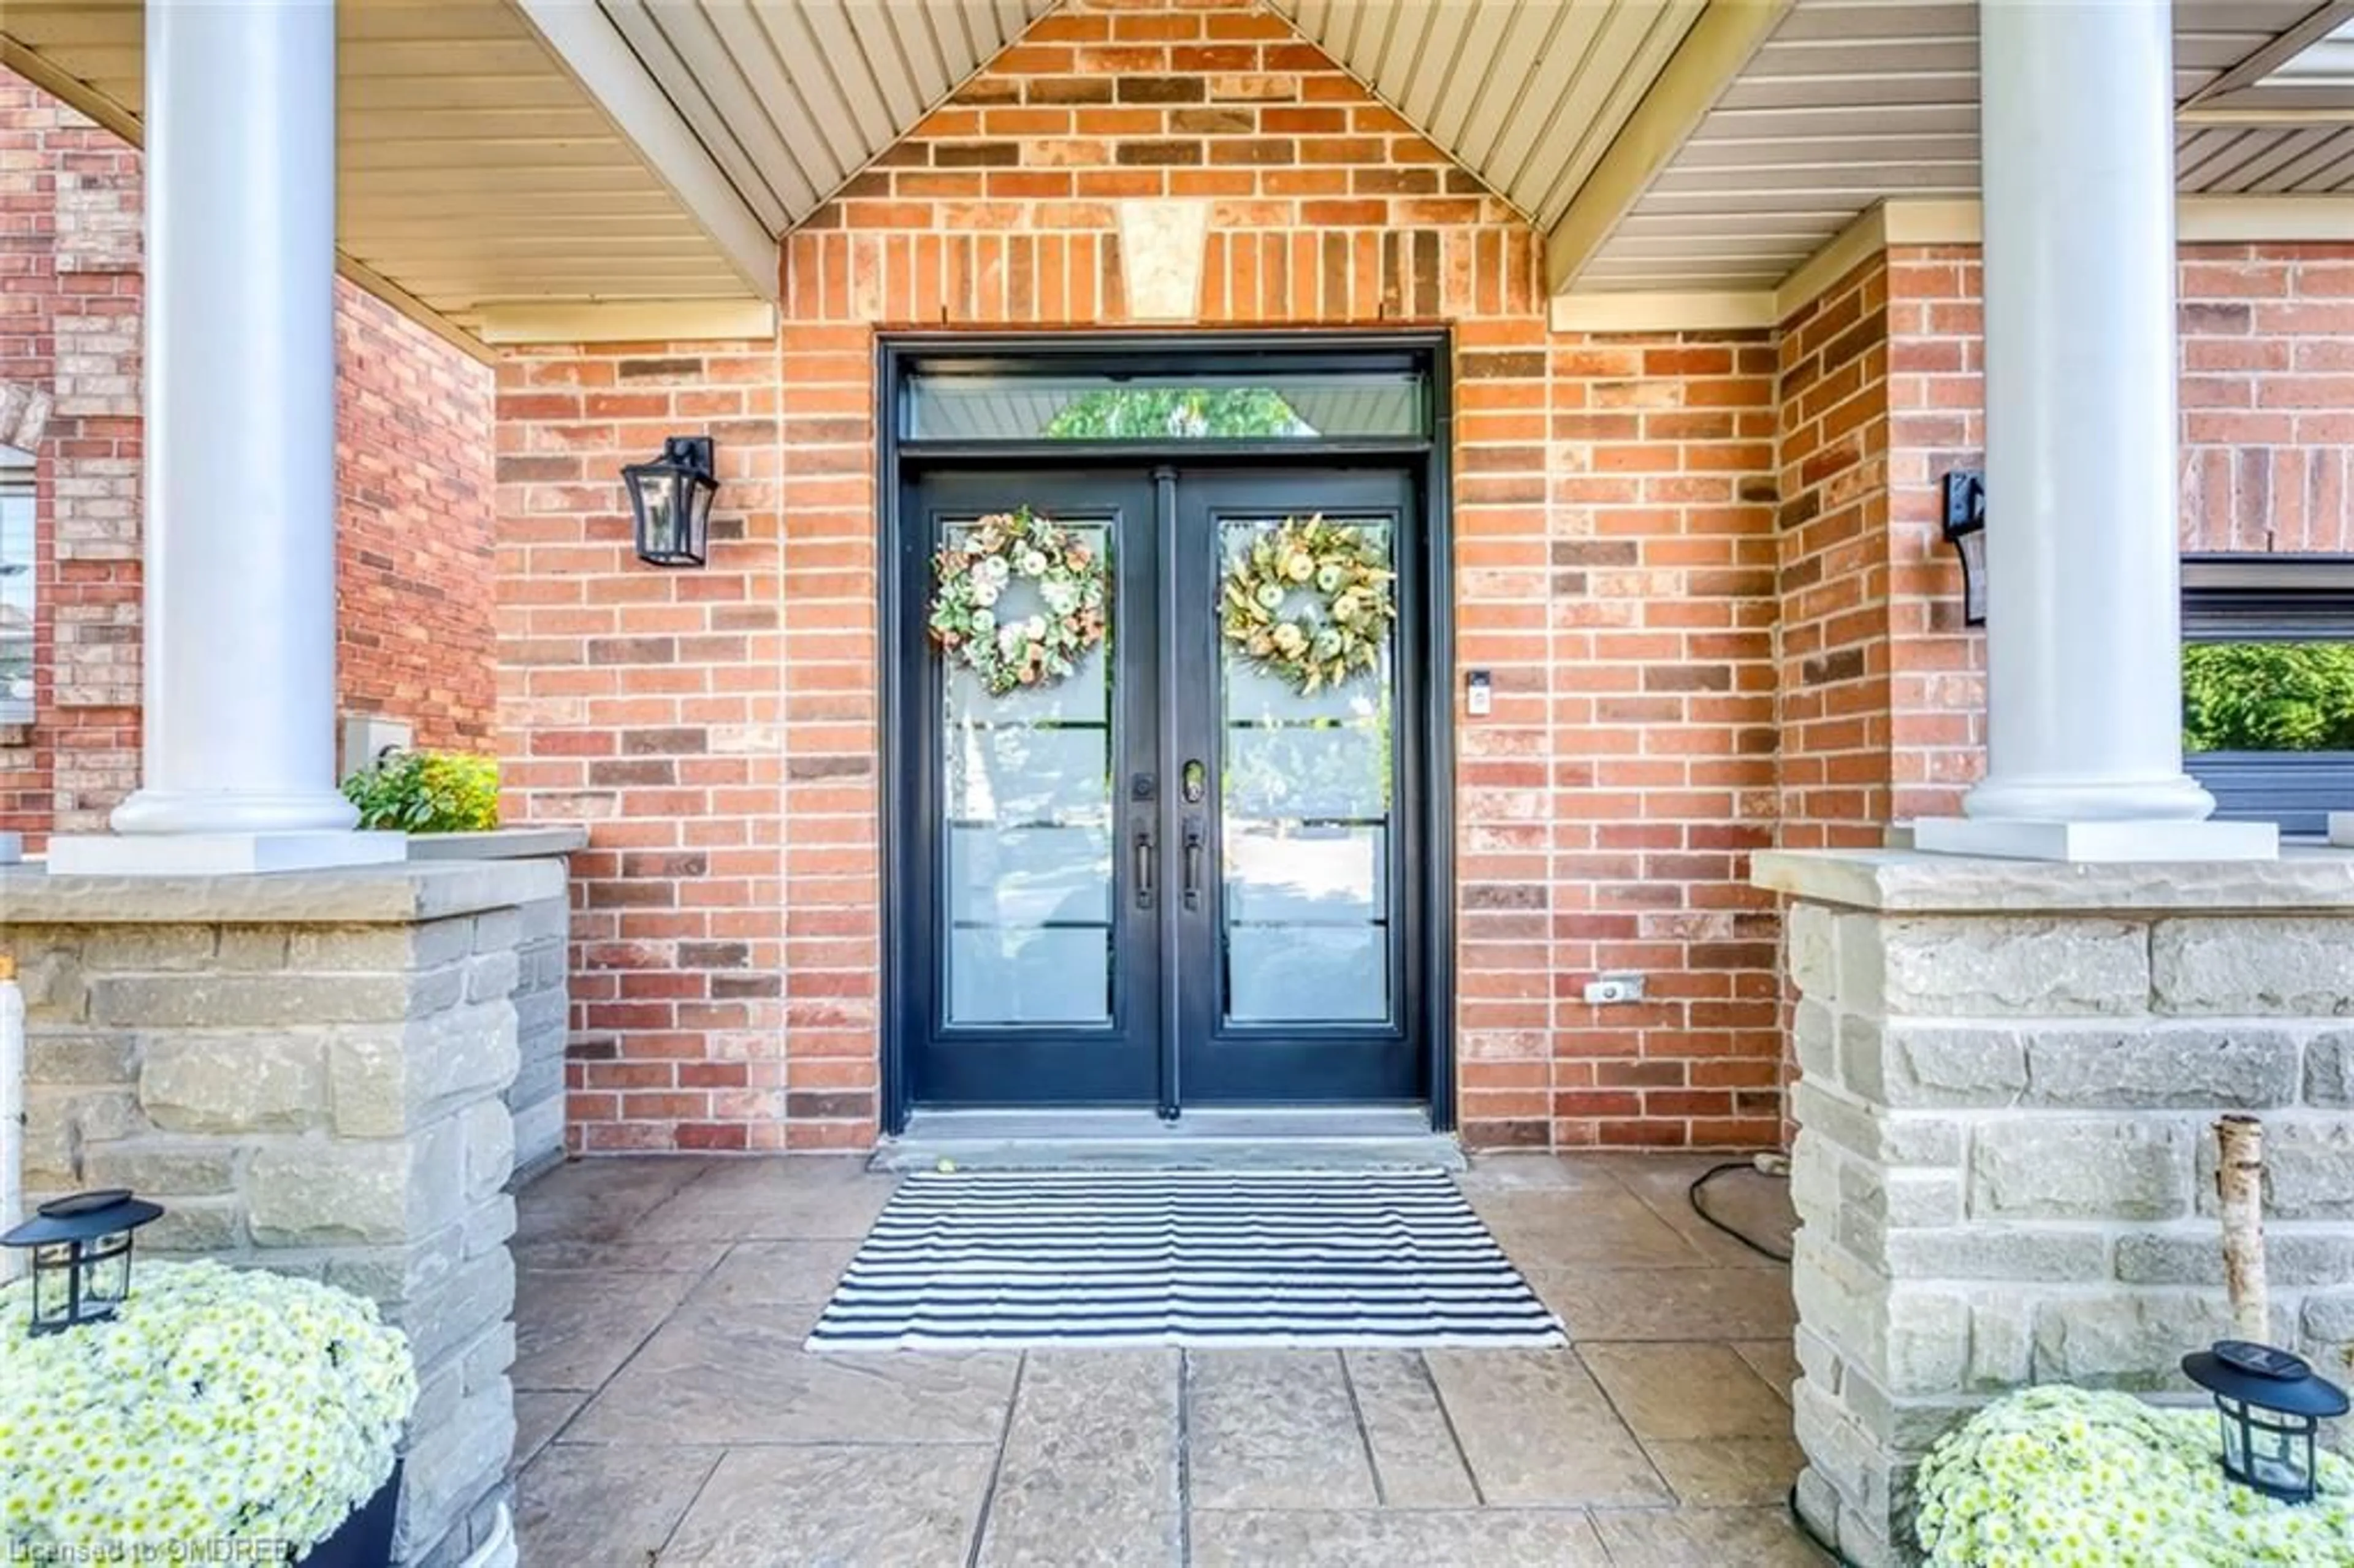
(669, 502)
(1965, 531)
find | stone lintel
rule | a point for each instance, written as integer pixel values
(397, 893)
(1911, 882)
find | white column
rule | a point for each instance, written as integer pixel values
(240, 548)
(2083, 614)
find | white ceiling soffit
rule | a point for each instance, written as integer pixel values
(1850, 101)
(472, 169)
(1526, 96)
(793, 97)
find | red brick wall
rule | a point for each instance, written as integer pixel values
(648, 706)
(1834, 566)
(2268, 398)
(2267, 395)
(69, 329)
(413, 440)
(1614, 514)
(414, 577)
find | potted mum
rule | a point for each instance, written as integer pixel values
(219, 1411)
(2056, 1476)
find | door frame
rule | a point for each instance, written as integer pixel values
(1427, 461)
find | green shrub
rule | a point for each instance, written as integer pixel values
(2060, 1478)
(426, 792)
(2268, 696)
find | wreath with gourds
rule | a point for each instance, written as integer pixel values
(971, 574)
(1311, 603)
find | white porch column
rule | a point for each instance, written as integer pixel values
(239, 680)
(2083, 617)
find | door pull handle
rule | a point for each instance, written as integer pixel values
(1194, 863)
(1144, 869)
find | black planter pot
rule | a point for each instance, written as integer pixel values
(365, 1538)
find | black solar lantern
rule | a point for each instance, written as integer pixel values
(670, 499)
(81, 1256)
(2271, 1405)
(1965, 500)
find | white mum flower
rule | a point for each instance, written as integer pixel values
(218, 1405)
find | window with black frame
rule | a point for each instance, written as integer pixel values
(2268, 685)
(16, 587)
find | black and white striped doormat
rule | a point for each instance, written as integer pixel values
(985, 1260)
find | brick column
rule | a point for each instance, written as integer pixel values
(2003, 1170)
(307, 1070)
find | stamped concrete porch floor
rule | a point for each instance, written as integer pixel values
(668, 1415)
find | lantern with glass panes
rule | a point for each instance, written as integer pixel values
(81, 1250)
(1965, 524)
(670, 503)
(2271, 1405)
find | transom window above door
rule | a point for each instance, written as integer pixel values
(979, 402)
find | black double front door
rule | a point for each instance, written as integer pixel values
(1170, 879)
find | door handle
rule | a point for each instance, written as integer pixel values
(1144, 868)
(1193, 862)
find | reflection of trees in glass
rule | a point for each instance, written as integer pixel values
(1155, 413)
(2268, 696)
(1313, 767)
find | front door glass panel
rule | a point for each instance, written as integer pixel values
(1309, 788)
(1028, 868)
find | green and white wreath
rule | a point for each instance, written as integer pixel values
(972, 573)
(1311, 604)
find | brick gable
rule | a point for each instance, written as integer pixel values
(1613, 512)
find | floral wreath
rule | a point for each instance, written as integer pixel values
(972, 572)
(1324, 643)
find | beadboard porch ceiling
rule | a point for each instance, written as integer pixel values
(1847, 103)
(513, 169)
(475, 170)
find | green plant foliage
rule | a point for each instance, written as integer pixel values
(428, 792)
(1192, 413)
(2062, 1477)
(2268, 696)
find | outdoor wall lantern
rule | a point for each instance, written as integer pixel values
(1965, 531)
(2271, 1403)
(671, 500)
(81, 1256)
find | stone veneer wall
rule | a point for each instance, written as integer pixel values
(2003, 1169)
(542, 984)
(307, 1071)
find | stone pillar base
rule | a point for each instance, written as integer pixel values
(307, 1071)
(2003, 1169)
